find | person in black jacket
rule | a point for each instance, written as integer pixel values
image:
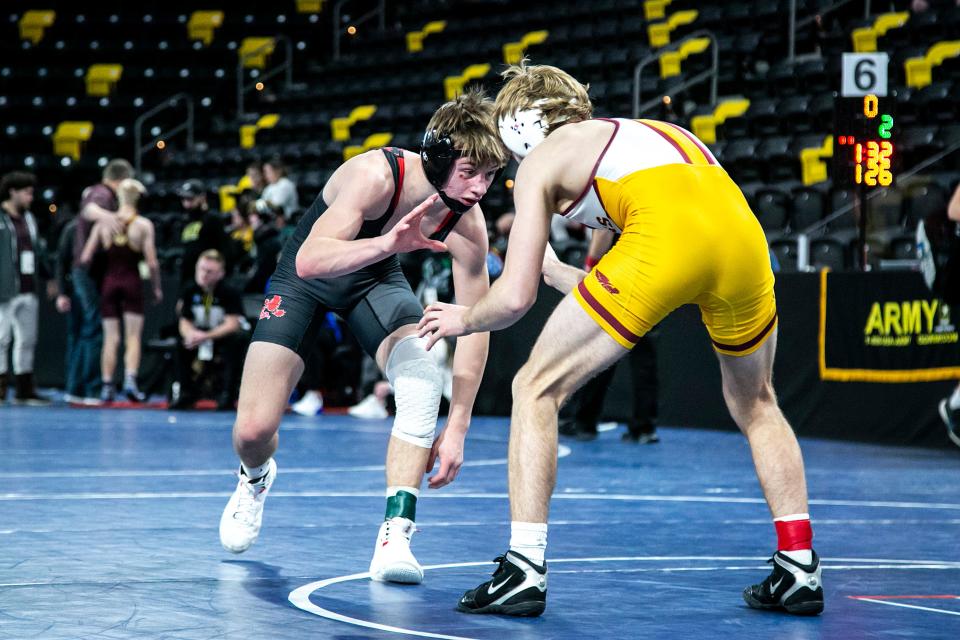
(950, 406)
(204, 229)
(20, 264)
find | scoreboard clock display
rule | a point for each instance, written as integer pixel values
(864, 147)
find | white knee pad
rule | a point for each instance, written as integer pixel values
(417, 383)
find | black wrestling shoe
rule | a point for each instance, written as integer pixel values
(518, 588)
(792, 587)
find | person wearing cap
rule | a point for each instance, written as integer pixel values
(204, 229)
(343, 257)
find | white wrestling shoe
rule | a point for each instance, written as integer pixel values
(392, 559)
(311, 404)
(369, 408)
(240, 522)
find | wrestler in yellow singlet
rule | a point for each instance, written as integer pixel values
(676, 208)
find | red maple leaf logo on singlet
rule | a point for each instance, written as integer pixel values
(605, 283)
(271, 307)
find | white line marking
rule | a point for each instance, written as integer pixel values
(300, 597)
(426, 524)
(146, 495)
(562, 452)
(910, 606)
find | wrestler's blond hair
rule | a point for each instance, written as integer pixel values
(558, 95)
(129, 191)
(468, 120)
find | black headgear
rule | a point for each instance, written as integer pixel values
(438, 156)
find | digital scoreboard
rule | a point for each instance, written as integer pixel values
(864, 146)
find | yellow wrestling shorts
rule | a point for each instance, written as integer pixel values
(689, 236)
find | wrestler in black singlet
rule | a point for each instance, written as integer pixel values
(375, 300)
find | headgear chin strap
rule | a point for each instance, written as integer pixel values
(438, 157)
(522, 131)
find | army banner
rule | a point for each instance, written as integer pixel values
(885, 327)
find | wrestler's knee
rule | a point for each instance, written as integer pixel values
(254, 428)
(533, 390)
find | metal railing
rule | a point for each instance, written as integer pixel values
(803, 236)
(712, 73)
(379, 12)
(168, 103)
(793, 25)
(286, 68)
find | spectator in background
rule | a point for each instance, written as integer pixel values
(579, 417)
(121, 288)
(211, 337)
(949, 285)
(922, 6)
(267, 241)
(97, 204)
(74, 387)
(374, 404)
(241, 234)
(280, 190)
(19, 284)
(253, 179)
(204, 229)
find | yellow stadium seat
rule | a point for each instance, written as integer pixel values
(373, 141)
(202, 24)
(101, 79)
(659, 32)
(248, 132)
(920, 70)
(453, 85)
(812, 162)
(705, 126)
(33, 24)
(415, 38)
(513, 51)
(69, 137)
(671, 60)
(865, 38)
(655, 9)
(340, 127)
(309, 6)
(254, 52)
(228, 196)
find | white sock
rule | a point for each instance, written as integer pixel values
(954, 401)
(529, 539)
(803, 556)
(393, 489)
(130, 379)
(255, 473)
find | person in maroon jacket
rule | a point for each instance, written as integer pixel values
(97, 204)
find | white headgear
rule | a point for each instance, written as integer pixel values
(522, 131)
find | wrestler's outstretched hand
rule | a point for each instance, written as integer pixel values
(407, 236)
(441, 320)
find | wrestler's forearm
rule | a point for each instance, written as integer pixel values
(469, 361)
(330, 257)
(499, 309)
